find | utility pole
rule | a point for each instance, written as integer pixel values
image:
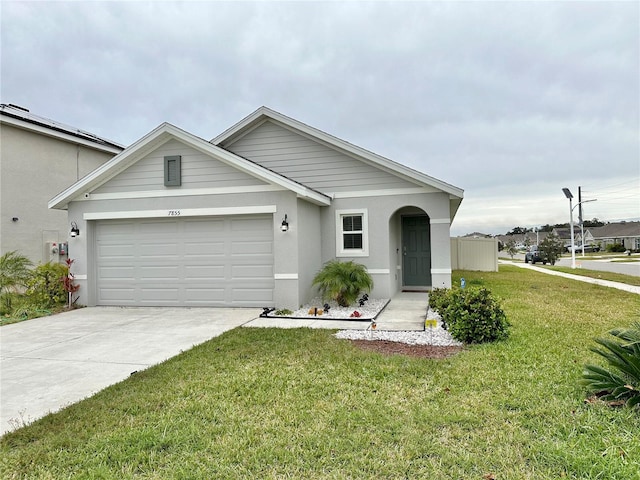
(580, 218)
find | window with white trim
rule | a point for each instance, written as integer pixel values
(352, 236)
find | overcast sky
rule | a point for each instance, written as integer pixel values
(510, 101)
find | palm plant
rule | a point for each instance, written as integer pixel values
(343, 281)
(14, 271)
(623, 355)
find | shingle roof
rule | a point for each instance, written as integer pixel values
(23, 115)
(616, 230)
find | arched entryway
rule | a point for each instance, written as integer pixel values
(411, 236)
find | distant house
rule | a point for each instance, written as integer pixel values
(39, 158)
(565, 235)
(624, 233)
(248, 218)
(523, 240)
(478, 235)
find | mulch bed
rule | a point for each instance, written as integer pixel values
(386, 347)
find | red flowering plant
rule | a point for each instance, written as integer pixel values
(68, 281)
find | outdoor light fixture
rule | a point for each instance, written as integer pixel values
(567, 193)
(285, 225)
(15, 219)
(75, 231)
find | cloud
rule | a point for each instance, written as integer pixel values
(507, 100)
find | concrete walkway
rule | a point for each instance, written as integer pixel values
(406, 311)
(580, 278)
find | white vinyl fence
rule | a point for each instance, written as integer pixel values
(479, 254)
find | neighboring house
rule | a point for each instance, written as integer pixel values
(250, 217)
(523, 240)
(624, 233)
(38, 159)
(565, 235)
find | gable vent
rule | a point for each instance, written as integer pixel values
(172, 171)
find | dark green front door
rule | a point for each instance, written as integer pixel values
(416, 251)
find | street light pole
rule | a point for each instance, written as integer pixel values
(568, 194)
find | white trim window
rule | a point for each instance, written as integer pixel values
(352, 233)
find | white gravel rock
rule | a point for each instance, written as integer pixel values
(369, 310)
(437, 336)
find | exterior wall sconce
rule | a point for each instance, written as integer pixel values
(75, 231)
(15, 219)
(285, 225)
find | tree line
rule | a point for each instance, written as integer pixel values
(549, 228)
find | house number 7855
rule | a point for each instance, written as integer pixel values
(174, 213)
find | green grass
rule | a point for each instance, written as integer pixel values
(613, 277)
(270, 403)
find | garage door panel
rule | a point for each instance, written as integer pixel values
(115, 251)
(116, 272)
(203, 226)
(252, 271)
(160, 273)
(204, 296)
(125, 295)
(163, 296)
(251, 248)
(203, 248)
(189, 261)
(256, 297)
(250, 224)
(157, 227)
(197, 272)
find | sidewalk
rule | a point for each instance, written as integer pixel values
(580, 278)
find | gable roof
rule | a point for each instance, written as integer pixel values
(21, 117)
(616, 230)
(162, 134)
(263, 113)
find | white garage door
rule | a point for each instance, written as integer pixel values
(196, 261)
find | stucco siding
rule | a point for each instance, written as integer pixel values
(309, 262)
(307, 161)
(385, 236)
(35, 168)
(198, 171)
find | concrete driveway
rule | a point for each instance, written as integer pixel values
(48, 363)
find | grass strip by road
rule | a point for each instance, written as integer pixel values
(272, 403)
(612, 277)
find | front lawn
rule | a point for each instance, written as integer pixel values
(271, 403)
(602, 275)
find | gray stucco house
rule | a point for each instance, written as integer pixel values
(248, 218)
(38, 158)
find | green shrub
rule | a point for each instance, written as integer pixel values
(45, 288)
(343, 281)
(615, 248)
(622, 381)
(439, 298)
(472, 315)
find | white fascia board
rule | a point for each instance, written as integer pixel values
(108, 170)
(42, 130)
(383, 193)
(157, 137)
(335, 142)
(181, 212)
(187, 192)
